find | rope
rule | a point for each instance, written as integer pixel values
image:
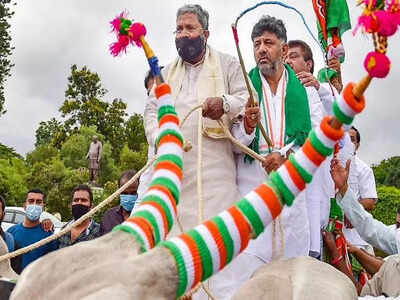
(200, 207)
(81, 219)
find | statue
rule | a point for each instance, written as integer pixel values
(94, 155)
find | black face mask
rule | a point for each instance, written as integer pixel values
(78, 210)
(190, 49)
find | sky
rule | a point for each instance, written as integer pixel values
(49, 36)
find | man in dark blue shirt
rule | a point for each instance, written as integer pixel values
(31, 231)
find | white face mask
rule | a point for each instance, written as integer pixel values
(33, 212)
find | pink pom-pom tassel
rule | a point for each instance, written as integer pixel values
(136, 31)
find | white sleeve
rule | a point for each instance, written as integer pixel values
(327, 95)
(315, 105)
(150, 119)
(371, 230)
(367, 183)
(239, 133)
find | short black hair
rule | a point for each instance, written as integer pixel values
(37, 191)
(270, 24)
(83, 187)
(357, 134)
(128, 174)
(3, 202)
(307, 52)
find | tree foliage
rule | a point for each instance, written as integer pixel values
(5, 48)
(389, 201)
(50, 132)
(13, 179)
(387, 172)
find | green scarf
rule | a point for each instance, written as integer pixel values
(297, 112)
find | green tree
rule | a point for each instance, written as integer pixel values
(8, 152)
(386, 208)
(13, 174)
(5, 48)
(387, 172)
(135, 134)
(41, 153)
(133, 159)
(50, 132)
(83, 106)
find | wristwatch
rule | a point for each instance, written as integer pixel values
(225, 104)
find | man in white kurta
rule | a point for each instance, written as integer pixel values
(216, 80)
(362, 182)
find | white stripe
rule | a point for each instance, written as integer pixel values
(304, 161)
(165, 198)
(345, 108)
(326, 141)
(261, 208)
(188, 260)
(170, 148)
(156, 214)
(169, 125)
(168, 174)
(211, 245)
(288, 181)
(164, 100)
(233, 231)
(140, 232)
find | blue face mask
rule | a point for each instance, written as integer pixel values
(128, 201)
(33, 212)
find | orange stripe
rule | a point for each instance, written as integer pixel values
(162, 89)
(212, 227)
(356, 104)
(294, 174)
(168, 165)
(270, 199)
(168, 118)
(332, 133)
(145, 226)
(242, 225)
(166, 191)
(170, 139)
(198, 267)
(312, 154)
(162, 213)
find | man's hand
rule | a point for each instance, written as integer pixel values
(47, 225)
(213, 108)
(252, 117)
(329, 241)
(273, 161)
(334, 64)
(308, 79)
(340, 174)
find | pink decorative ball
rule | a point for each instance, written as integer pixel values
(369, 23)
(377, 64)
(387, 22)
(136, 31)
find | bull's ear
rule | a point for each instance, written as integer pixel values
(6, 287)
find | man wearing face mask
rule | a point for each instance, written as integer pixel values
(82, 202)
(31, 231)
(200, 75)
(118, 214)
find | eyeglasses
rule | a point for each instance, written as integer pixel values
(191, 31)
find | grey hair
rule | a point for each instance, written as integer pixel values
(270, 24)
(196, 9)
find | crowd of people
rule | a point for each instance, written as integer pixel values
(290, 101)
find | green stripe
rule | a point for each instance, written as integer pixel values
(180, 262)
(341, 115)
(251, 214)
(169, 132)
(149, 217)
(276, 191)
(164, 110)
(288, 196)
(205, 254)
(131, 231)
(169, 184)
(318, 145)
(307, 177)
(171, 157)
(159, 200)
(226, 236)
